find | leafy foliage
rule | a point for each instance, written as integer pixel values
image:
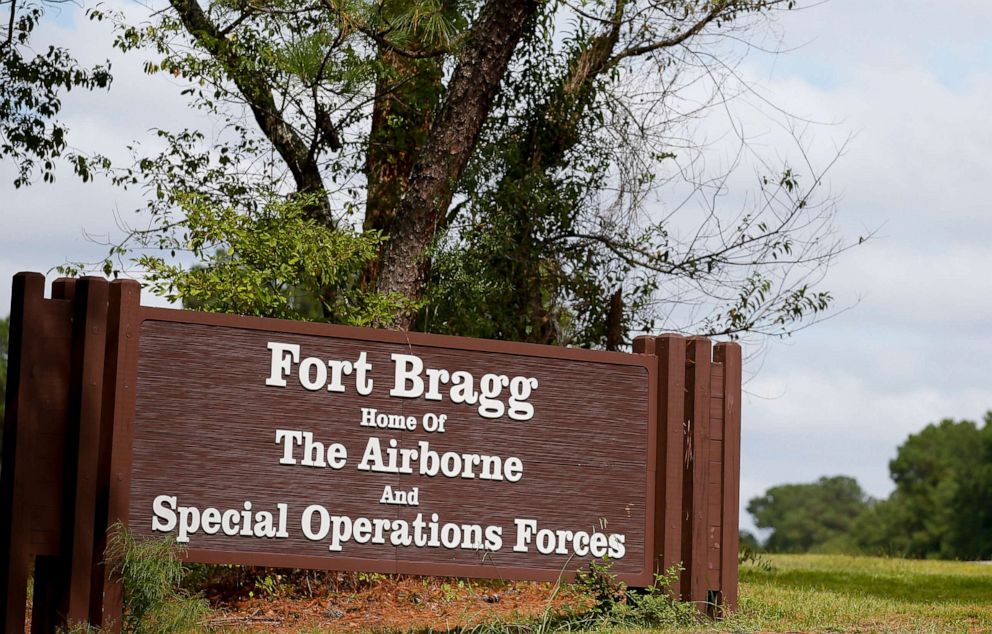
(31, 89)
(542, 236)
(617, 606)
(274, 264)
(941, 505)
(818, 516)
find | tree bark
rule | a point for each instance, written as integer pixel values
(421, 212)
(407, 94)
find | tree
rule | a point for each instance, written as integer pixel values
(814, 516)
(749, 542)
(497, 153)
(31, 87)
(940, 505)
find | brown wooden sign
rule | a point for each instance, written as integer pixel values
(287, 444)
(276, 443)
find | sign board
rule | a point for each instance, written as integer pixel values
(289, 444)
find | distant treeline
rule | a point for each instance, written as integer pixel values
(941, 506)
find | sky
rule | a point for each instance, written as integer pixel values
(909, 82)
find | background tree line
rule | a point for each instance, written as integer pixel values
(941, 506)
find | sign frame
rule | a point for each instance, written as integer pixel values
(123, 432)
(69, 416)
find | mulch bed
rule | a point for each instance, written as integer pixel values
(392, 604)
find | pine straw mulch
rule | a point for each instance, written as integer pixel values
(391, 604)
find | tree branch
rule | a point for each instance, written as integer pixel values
(635, 51)
(10, 25)
(380, 37)
(256, 91)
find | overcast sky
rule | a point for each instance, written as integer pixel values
(910, 79)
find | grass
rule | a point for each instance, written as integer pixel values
(800, 593)
(832, 593)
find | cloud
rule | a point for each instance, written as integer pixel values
(842, 396)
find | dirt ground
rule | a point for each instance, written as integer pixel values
(393, 604)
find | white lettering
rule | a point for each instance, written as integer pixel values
(164, 518)
(407, 383)
(281, 364)
(288, 437)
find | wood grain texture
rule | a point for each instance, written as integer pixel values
(695, 491)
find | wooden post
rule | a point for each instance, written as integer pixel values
(106, 608)
(671, 379)
(729, 354)
(49, 570)
(694, 498)
(28, 290)
(31, 481)
(670, 350)
(82, 446)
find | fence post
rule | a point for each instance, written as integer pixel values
(27, 291)
(670, 351)
(32, 478)
(49, 586)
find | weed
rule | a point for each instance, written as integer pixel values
(747, 556)
(613, 606)
(151, 573)
(79, 628)
(654, 606)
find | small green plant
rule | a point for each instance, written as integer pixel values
(618, 606)
(268, 586)
(369, 578)
(151, 572)
(613, 606)
(602, 585)
(655, 606)
(450, 592)
(750, 557)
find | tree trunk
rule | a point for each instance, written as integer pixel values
(407, 94)
(420, 213)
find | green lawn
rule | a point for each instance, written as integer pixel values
(829, 593)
